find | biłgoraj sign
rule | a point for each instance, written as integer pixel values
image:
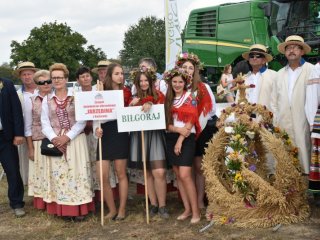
(132, 119)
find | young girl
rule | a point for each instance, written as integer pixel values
(190, 63)
(227, 82)
(115, 147)
(154, 140)
(183, 125)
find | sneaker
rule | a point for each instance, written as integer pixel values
(163, 212)
(19, 212)
(153, 210)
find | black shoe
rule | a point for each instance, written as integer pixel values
(153, 210)
(163, 212)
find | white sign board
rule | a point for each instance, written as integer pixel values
(131, 119)
(98, 105)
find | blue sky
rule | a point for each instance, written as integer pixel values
(102, 22)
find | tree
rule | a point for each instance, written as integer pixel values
(7, 72)
(54, 42)
(145, 39)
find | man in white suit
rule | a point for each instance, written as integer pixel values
(289, 96)
(260, 75)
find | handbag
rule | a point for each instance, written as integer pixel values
(48, 149)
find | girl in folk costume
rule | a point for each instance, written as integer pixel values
(183, 126)
(206, 113)
(38, 179)
(69, 190)
(115, 147)
(147, 95)
(312, 109)
(159, 84)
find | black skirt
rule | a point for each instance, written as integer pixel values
(187, 151)
(205, 136)
(115, 145)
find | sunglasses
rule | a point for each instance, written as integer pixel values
(251, 55)
(49, 81)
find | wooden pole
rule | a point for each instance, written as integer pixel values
(145, 175)
(101, 177)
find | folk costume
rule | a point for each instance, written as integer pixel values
(184, 110)
(312, 109)
(69, 190)
(154, 141)
(287, 103)
(38, 176)
(115, 145)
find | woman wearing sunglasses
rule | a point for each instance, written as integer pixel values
(34, 136)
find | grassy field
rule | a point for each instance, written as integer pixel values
(38, 225)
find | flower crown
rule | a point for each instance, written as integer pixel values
(168, 75)
(183, 57)
(149, 72)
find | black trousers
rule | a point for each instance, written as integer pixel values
(10, 162)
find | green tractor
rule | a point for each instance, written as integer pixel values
(220, 34)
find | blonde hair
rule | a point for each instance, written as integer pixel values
(41, 73)
(59, 67)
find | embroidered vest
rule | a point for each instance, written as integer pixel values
(36, 119)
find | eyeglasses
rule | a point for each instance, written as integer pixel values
(49, 81)
(252, 55)
(57, 78)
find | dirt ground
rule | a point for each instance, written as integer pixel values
(38, 225)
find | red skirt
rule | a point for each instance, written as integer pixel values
(63, 210)
(314, 175)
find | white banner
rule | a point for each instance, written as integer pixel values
(173, 33)
(98, 105)
(131, 119)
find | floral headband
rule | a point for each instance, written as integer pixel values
(168, 75)
(149, 72)
(183, 57)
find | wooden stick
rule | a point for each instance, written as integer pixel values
(145, 175)
(101, 177)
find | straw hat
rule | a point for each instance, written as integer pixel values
(258, 48)
(296, 40)
(25, 66)
(101, 65)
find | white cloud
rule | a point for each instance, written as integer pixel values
(102, 22)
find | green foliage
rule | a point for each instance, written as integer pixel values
(54, 42)
(7, 72)
(145, 39)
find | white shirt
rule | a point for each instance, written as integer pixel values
(0, 124)
(253, 93)
(47, 129)
(292, 78)
(26, 104)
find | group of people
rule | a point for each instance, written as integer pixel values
(64, 185)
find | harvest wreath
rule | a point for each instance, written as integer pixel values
(238, 185)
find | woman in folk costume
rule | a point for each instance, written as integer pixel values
(38, 179)
(227, 82)
(147, 95)
(183, 126)
(69, 191)
(204, 97)
(115, 147)
(312, 109)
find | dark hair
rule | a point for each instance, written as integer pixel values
(81, 70)
(170, 97)
(151, 90)
(108, 83)
(150, 61)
